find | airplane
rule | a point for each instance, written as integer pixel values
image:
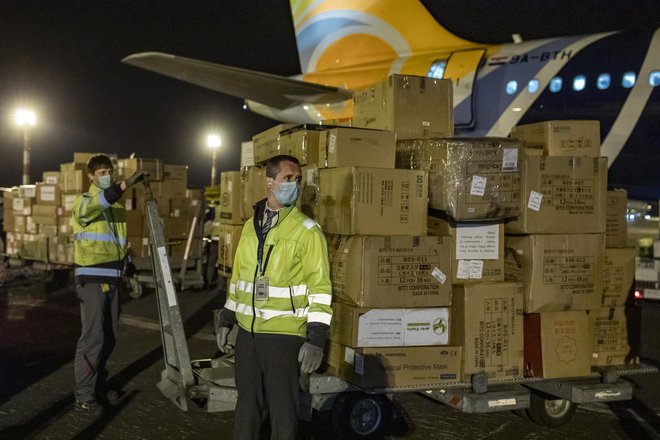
(613, 77)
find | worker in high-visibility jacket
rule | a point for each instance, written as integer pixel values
(279, 296)
(99, 227)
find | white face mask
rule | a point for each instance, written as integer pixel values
(104, 182)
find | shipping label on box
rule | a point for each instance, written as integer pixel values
(558, 344)
(393, 271)
(48, 194)
(247, 154)
(411, 106)
(363, 327)
(561, 138)
(647, 269)
(395, 366)
(559, 272)
(308, 202)
(616, 224)
(51, 177)
(618, 275)
(610, 336)
(562, 195)
(373, 201)
(22, 205)
(470, 178)
(487, 322)
(29, 191)
(358, 147)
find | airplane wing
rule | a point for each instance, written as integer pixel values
(272, 90)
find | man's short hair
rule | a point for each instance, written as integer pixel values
(273, 164)
(98, 162)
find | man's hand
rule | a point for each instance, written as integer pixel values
(136, 177)
(310, 357)
(222, 339)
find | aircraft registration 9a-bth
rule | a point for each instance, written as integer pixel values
(613, 77)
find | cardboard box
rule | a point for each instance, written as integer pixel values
(83, 157)
(230, 198)
(357, 147)
(477, 249)
(138, 246)
(411, 106)
(168, 189)
(395, 366)
(487, 320)
(34, 247)
(27, 191)
(31, 227)
(48, 194)
(229, 235)
(469, 178)
(559, 272)
(126, 167)
(365, 327)
(19, 223)
(64, 225)
(67, 200)
(49, 230)
(51, 177)
(616, 224)
(14, 243)
(39, 210)
(610, 336)
(561, 138)
(558, 344)
(22, 205)
(303, 143)
(393, 271)
(308, 202)
(253, 189)
(175, 172)
(194, 251)
(561, 195)
(618, 275)
(73, 178)
(373, 201)
(266, 144)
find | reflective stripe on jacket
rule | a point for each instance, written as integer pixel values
(99, 232)
(296, 265)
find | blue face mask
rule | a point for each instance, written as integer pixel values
(288, 193)
(105, 181)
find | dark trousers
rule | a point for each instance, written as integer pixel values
(267, 382)
(99, 313)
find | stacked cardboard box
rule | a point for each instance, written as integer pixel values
(40, 227)
(557, 245)
(230, 220)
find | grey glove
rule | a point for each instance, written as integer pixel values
(136, 177)
(222, 338)
(310, 357)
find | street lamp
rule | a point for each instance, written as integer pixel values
(214, 142)
(26, 118)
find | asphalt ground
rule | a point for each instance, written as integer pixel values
(37, 344)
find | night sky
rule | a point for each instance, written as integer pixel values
(63, 59)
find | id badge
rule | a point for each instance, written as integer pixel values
(261, 288)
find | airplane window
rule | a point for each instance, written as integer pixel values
(628, 79)
(555, 84)
(511, 87)
(437, 69)
(579, 82)
(533, 86)
(654, 78)
(603, 81)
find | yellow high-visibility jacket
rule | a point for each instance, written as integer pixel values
(295, 258)
(99, 232)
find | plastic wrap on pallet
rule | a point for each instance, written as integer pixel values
(469, 178)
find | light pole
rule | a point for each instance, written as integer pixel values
(26, 118)
(214, 142)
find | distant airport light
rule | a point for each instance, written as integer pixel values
(516, 109)
(26, 118)
(213, 141)
(639, 294)
(245, 107)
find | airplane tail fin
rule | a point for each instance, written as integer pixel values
(338, 34)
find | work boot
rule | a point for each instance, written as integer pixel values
(91, 408)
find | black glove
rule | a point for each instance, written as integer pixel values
(136, 177)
